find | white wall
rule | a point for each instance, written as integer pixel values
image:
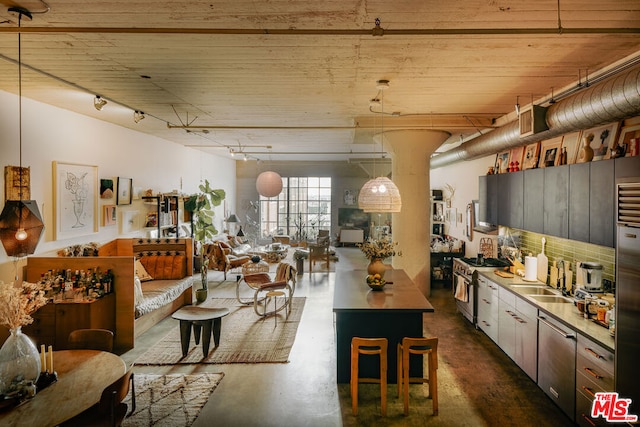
(463, 177)
(53, 134)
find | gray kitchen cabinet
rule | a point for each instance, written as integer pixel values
(594, 373)
(518, 331)
(488, 306)
(602, 203)
(511, 199)
(533, 200)
(627, 167)
(556, 201)
(579, 201)
(488, 199)
(557, 363)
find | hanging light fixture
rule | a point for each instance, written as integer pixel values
(380, 194)
(21, 225)
(99, 102)
(269, 184)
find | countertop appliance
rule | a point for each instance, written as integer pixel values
(627, 320)
(592, 276)
(464, 275)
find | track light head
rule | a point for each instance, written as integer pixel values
(99, 102)
(137, 116)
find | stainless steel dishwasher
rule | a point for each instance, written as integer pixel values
(557, 363)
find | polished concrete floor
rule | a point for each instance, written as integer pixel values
(478, 384)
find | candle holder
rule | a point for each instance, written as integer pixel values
(45, 380)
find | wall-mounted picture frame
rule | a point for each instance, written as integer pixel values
(626, 135)
(350, 197)
(106, 188)
(604, 138)
(530, 157)
(571, 143)
(75, 197)
(502, 161)
(130, 221)
(550, 152)
(125, 191)
(109, 215)
(17, 183)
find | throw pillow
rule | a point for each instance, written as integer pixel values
(141, 272)
(137, 291)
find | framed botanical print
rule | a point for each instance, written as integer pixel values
(604, 138)
(124, 194)
(75, 190)
(530, 157)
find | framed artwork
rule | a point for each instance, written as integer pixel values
(106, 188)
(571, 143)
(550, 152)
(626, 135)
(604, 138)
(75, 197)
(530, 158)
(17, 183)
(350, 197)
(515, 157)
(502, 161)
(124, 194)
(129, 221)
(109, 215)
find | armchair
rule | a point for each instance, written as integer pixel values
(262, 284)
(319, 251)
(221, 259)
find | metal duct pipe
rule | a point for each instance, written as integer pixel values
(614, 99)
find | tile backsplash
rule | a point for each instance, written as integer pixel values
(557, 248)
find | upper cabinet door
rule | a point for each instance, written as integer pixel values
(602, 203)
(556, 201)
(511, 199)
(533, 200)
(579, 202)
(488, 199)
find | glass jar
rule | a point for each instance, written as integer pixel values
(19, 364)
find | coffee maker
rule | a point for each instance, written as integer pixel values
(591, 276)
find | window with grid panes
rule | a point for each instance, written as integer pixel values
(301, 209)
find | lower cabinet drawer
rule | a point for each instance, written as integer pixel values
(592, 376)
(583, 412)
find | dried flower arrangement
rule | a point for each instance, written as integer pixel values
(18, 302)
(383, 248)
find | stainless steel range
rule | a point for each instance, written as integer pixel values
(465, 283)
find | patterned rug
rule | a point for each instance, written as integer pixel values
(244, 338)
(173, 400)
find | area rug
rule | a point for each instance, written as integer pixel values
(245, 338)
(172, 400)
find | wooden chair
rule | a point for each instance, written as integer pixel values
(368, 346)
(111, 410)
(319, 251)
(262, 284)
(91, 339)
(221, 258)
(418, 346)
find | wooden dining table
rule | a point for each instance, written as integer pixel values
(394, 312)
(82, 376)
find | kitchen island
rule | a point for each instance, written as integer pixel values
(393, 313)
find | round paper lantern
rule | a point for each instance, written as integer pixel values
(269, 184)
(379, 195)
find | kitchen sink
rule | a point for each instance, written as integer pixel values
(535, 290)
(551, 299)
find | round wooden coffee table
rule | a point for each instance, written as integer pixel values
(198, 317)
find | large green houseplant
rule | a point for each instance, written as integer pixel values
(201, 207)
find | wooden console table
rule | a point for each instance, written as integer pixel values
(393, 313)
(82, 376)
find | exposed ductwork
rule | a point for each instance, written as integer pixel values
(614, 99)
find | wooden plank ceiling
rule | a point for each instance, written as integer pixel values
(298, 76)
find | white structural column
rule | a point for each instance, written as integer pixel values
(410, 153)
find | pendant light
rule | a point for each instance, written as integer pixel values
(21, 225)
(269, 183)
(380, 194)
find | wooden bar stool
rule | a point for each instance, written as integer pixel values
(418, 346)
(368, 346)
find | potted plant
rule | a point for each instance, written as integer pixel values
(201, 207)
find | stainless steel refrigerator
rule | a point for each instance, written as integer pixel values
(627, 333)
